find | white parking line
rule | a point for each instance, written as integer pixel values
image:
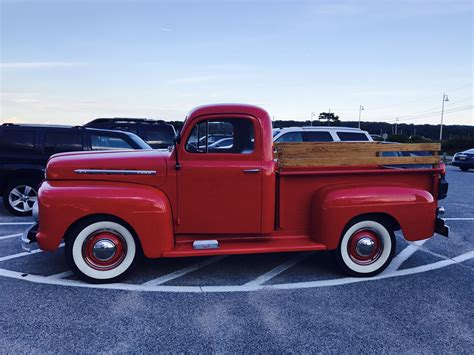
(10, 236)
(278, 270)
(404, 255)
(16, 223)
(459, 219)
(24, 253)
(19, 255)
(240, 288)
(181, 272)
(61, 275)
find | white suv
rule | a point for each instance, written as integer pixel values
(320, 134)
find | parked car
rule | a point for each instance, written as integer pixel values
(157, 133)
(464, 160)
(109, 207)
(320, 134)
(25, 149)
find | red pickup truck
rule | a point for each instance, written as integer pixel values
(198, 199)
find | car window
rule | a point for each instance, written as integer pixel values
(108, 143)
(17, 141)
(290, 137)
(352, 136)
(235, 136)
(314, 136)
(159, 136)
(57, 142)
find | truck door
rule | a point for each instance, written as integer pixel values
(220, 182)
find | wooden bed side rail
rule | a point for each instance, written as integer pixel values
(349, 153)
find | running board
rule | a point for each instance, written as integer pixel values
(251, 245)
(205, 244)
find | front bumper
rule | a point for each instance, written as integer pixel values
(29, 237)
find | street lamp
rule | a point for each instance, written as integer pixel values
(445, 99)
(361, 108)
(312, 116)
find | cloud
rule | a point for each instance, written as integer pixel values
(166, 29)
(38, 65)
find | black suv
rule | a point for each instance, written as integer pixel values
(25, 149)
(158, 134)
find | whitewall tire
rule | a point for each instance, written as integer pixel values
(100, 250)
(366, 248)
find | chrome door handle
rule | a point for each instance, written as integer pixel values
(251, 171)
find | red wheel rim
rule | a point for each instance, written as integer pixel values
(364, 246)
(104, 250)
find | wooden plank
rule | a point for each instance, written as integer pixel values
(366, 148)
(350, 161)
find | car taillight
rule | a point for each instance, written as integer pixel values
(442, 166)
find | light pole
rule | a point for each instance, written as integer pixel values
(445, 99)
(396, 126)
(361, 108)
(312, 115)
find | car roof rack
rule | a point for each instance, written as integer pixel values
(125, 120)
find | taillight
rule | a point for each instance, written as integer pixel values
(442, 166)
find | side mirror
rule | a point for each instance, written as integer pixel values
(177, 138)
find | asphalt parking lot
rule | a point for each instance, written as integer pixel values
(253, 303)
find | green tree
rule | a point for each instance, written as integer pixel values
(329, 118)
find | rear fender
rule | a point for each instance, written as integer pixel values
(332, 208)
(146, 209)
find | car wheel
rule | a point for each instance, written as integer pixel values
(20, 196)
(100, 250)
(464, 169)
(366, 248)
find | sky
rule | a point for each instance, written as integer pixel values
(69, 61)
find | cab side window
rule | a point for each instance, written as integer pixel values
(234, 136)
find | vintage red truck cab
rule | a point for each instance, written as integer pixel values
(235, 197)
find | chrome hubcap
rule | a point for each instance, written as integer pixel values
(104, 250)
(365, 246)
(22, 198)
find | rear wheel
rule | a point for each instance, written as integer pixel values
(100, 250)
(464, 169)
(20, 196)
(366, 248)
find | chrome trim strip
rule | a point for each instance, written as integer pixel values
(114, 172)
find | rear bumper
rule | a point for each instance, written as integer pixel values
(29, 237)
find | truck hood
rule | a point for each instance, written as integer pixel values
(138, 166)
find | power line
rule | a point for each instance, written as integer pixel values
(433, 114)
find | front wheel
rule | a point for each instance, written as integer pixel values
(366, 248)
(464, 168)
(100, 250)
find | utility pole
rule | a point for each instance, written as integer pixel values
(396, 126)
(445, 99)
(361, 108)
(311, 120)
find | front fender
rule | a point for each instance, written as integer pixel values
(146, 209)
(333, 207)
